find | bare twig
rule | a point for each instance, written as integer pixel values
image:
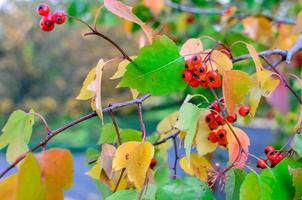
(166, 139)
(175, 158)
(141, 120)
(213, 11)
(71, 124)
(119, 139)
(119, 179)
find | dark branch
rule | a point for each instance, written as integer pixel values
(119, 139)
(71, 124)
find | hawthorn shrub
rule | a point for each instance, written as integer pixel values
(133, 164)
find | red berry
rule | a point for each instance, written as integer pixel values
(189, 65)
(223, 142)
(153, 163)
(59, 17)
(210, 118)
(46, 23)
(213, 137)
(232, 118)
(43, 9)
(219, 119)
(195, 82)
(261, 163)
(213, 125)
(272, 155)
(221, 133)
(196, 60)
(215, 106)
(203, 80)
(269, 149)
(213, 79)
(244, 110)
(201, 68)
(278, 156)
(187, 75)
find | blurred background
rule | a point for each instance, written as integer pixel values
(45, 71)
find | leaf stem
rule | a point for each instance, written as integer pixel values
(141, 120)
(115, 127)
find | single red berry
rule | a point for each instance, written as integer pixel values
(187, 75)
(220, 120)
(272, 155)
(201, 68)
(189, 65)
(232, 118)
(213, 137)
(196, 60)
(262, 163)
(153, 163)
(59, 17)
(195, 82)
(203, 80)
(213, 125)
(210, 118)
(213, 79)
(221, 133)
(244, 110)
(215, 107)
(46, 23)
(223, 142)
(269, 149)
(43, 9)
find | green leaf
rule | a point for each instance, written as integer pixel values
(297, 181)
(108, 134)
(157, 69)
(187, 121)
(150, 192)
(183, 189)
(124, 195)
(234, 180)
(130, 135)
(16, 134)
(162, 176)
(297, 144)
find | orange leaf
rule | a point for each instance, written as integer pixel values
(155, 6)
(125, 12)
(236, 85)
(234, 147)
(258, 28)
(190, 47)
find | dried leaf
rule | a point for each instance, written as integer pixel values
(190, 47)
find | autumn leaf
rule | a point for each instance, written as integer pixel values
(221, 61)
(16, 134)
(167, 124)
(203, 145)
(191, 47)
(155, 6)
(198, 166)
(234, 147)
(298, 25)
(135, 157)
(236, 85)
(86, 94)
(125, 12)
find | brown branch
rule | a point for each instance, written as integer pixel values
(166, 139)
(71, 124)
(141, 120)
(175, 157)
(214, 11)
(119, 139)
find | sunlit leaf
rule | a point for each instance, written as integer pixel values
(125, 12)
(198, 166)
(167, 124)
(86, 94)
(157, 69)
(136, 158)
(124, 195)
(221, 61)
(187, 121)
(236, 85)
(16, 134)
(190, 47)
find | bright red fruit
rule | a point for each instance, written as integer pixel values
(261, 163)
(195, 82)
(232, 118)
(213, 79)
(210, 118)
(222, 137)
(46, 23)
(187, 75)
(196, 60)
(213, 137)
(219, 119)
(59, 17)
(153, 163)
(269, 149)
(272, 155)
(244, 110)
(201, 68)
(213, 125)
(215, 106)
(43, 9)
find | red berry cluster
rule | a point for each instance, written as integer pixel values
(216, 119)
(48, 21)
(197, 73)
(274, 156)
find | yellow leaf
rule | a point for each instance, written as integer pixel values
(221, 61)
(298, 26)
(8, 187)
(122, 68)
(233, 146)
(134, 93)
(155, 6)
(198, 166)
(95, 171)
(258, 28)
(286, 38)
(236, 85)
(255, 58)
(95, 87)
(107, 155)
(190, 47)
(136, 158)
(203, 145)
(167, 124)
(85, 94)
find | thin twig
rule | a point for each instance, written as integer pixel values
(119, 179)
(71, 124)
(119, 139)
(141, 120)
(46, 126)
(175, 157)
(166, 139)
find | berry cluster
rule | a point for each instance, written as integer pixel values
(197, 73)
(216, 119)
(48, 21)
(273, 156)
